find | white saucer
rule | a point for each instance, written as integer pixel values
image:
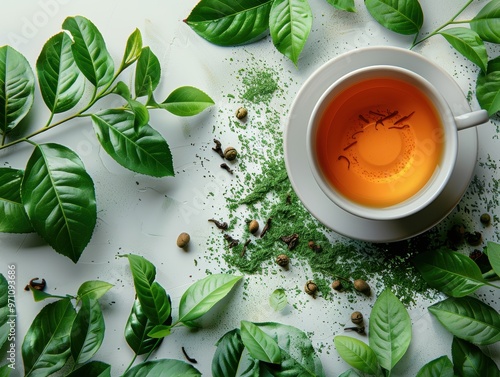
(301, 176)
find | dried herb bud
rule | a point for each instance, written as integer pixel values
(362, 286)
(312, 245)
(311, 288)
(337, 285)
(283, 260)
(266, 227)
(230, 153)
(357, 318)
(456, 234)
(226, 167)
(218, 224)
(241, 113)
(218, 148)
(485, 219)
(292, 240)
(474, 239)
(359, 329)
(183, 240)
(253, 226)
(37, 284)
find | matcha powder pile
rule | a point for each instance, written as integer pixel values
(260, 190)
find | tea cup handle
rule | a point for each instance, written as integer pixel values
(472, 119)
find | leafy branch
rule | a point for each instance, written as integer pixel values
(54, 195)
(289, 22)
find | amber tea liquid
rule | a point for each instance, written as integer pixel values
(379, 142)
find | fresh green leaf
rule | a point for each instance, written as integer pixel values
(401, 16)
(5, 311)
(487, 22)
(290, 23)
(298, 357)
(137, 329)
(278, 299)
(488, 87)
(201, 296)
(160, 331)
(133, 49)
(93, 289)
(227, 356)
(493, 249)
(61, 81)
(46, 345)
(451, 272)
(186, 101)
(390, 329)
(347, 5)
(144, 151)
(163, 368)
(141, 114)
(154, 300)
(5, 370)
(17, 87)
(260, 345)
(147, 73)
(469, 44)
(350, 373)
(39, 295)
(357, 354)
(230, 22)
(89, 51)
(87, 331)
(13, 216)
(469, 319)
(440, 367)
(470, 361)
(59, 198)
(92, 369)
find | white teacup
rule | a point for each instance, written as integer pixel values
(382, 142)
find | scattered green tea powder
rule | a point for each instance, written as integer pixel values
(259, 85)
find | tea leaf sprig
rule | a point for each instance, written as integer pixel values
(289, 22)
(54, 195)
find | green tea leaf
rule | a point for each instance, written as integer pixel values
(357, 354)
(4, 310)
(350, 373)
(390, 329)
(451, 272)
(154, 300)
(440, 367)
(201, 296)
(89, 51)
(59, 198)
(163, 368)
(347, 5)
(5, 370)
(298, 357)
(401, 16)
(92, 369)
(227, 356)
(143, 151)
(160, 331)
(487, 22)
(259, 345)
(488, 87)
(13, 216)
(147, 73)
(278, 299)
(230, 22)
(39, 295)
(137, 329)
(469, 44)
(61, 81)
(87, 331)
(186, 101)
(17, 87)
(133, 49)
(493, 249)
(290, 23)
(46, 345)
(469, 319)
(470, 361)
(93, 289)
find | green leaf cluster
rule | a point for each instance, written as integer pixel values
(389, 336)
(235, 22)
(68, 332)
(53, 195)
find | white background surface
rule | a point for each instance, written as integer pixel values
(142, 215)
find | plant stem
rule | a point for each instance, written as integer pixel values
(152, 349)
(450, 22)
(131, 363)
